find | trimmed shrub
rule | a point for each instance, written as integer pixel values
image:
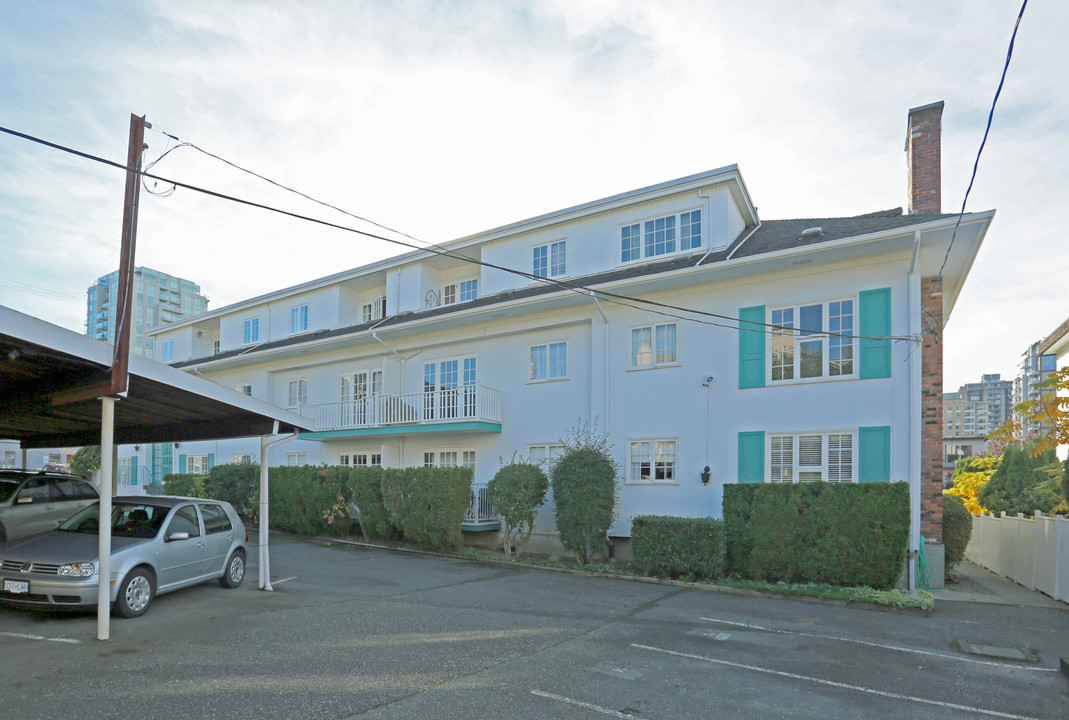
(839, 534)
(365, 491)
(309, 500)
(957, 529)
(392, 491)
(185, 485)
(433, 504)
(675, 547)
(237, 484)
(517, 490)
(585, 494)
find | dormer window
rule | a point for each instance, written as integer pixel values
(666, 235)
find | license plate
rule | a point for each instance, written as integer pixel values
(17, 586)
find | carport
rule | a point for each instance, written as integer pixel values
(51, 395)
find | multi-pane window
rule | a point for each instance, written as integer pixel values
(298, 319)
(167, 351)
(653, 345)
(549, 361)
(550, 260)
(469, 290)
(652, 461)
(250, 331)
(243, 458)
(813, 341)
(544, 455)
(375, 310)
(360, 459)
(449, 458)
(244, 389)
(811, 457)
(449, 388)
(197, 464)
(449, 294)
(296, 393)
(296, 459)
(661, 236)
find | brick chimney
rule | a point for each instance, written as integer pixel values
(923, 158)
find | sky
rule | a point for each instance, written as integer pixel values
(442, 119)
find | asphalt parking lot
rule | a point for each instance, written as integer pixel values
(366, 633)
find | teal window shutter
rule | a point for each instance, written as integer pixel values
(182, 464)
(874, 454)
(752, 347)
(133, 470)
(211, 460)
(875, 308)
(751, 457)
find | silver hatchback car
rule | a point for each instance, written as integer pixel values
(32, 502)
(158, 544)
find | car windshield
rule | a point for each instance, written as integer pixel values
(127, 520)
(7, 487)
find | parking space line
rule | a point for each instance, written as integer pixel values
(25, 636)
(580, 703)
(899, 648)
(833, 683)
(279, 582)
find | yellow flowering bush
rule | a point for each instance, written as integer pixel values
(970, 476)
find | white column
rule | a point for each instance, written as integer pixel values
(265, 563)
(107, 476)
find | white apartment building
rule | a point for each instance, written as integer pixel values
(691, 332)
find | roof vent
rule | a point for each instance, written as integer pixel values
(812, 232)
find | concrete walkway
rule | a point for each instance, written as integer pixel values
(980, 585)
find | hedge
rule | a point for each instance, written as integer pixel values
(185, 485)
(676, 547)
(433, 504)
(957, 530)
(309, 500)
(838, 534)
(237, 484)
(365, 491)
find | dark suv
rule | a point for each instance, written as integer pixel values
(32, 502)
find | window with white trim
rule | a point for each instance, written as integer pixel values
(296, 393)
(661, 236)
(360, 458)
(197, 464)
(812, 457)
(654, 345)
(544, 455)
(813, 341)
(548, 361)
(243, 458)
(550, 260)
(298, 319)
(449, 294)
(449, 458)
(375, 310)
(250, 332)
(469, 290)
(244, 389)
(167, 351)
(293, 459)
(652, 461)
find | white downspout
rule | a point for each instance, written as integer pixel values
(732, 253)
(608, 369)
(915, 408)
(265, 558)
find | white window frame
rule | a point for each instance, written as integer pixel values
(644, 229)
(789, 332)
(783, 469)
(296, 458)
(634, 359)
(296, 389)
(167, 351)
(454, 457)
(655, 457)
(197, 464)
(471, 292)
(299, 319)
(540, 365)
(360, 458)
(543, 454)
(250, 331)
(243, 458)
(244, 388)
(449, 294)
(555, 259)
(365, 312)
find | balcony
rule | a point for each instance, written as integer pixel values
(480, 516)
(468, 407)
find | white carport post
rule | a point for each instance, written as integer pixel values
(107, 469)
(265, 556)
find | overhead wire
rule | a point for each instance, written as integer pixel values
(736, 323)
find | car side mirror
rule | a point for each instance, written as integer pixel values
(178, 536)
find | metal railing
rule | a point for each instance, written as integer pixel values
(467, 402)
(480, 509)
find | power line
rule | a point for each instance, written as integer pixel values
(574, 287)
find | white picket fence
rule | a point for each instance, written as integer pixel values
(1031, 551)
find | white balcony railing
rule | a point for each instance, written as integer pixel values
(480, 509)
(467, 402)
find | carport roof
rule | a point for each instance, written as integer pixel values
(39, 362)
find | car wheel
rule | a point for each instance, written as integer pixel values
(234, 573)
(135, 593)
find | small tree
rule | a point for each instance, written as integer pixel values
(1019, 485)
(957, 530)
(585, 493)
(517, 490)
(970, 476)
(86, 460)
